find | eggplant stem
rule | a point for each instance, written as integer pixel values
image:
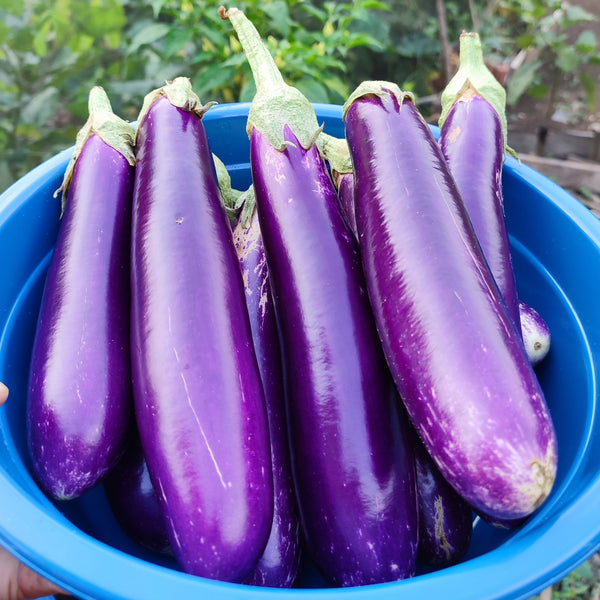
(275, 104)
(257, 54)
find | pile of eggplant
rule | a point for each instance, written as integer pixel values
(333, 363)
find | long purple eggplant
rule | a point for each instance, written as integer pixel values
(534, 330)
(133, 500)
(352, 462)
(79, 403)
(473, 141)
(452, 346)
(280, 562)
(445, 517)
(199, 401)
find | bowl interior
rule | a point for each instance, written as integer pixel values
(556, 253)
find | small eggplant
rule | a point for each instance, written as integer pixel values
(280, 561)
(133, 501)
(352, 461)
(199, 400)
(445, 518)
(457, 358)
(473, 141)
(79, 403)
(536, 334)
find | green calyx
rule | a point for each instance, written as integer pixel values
(103, 122)
(473, 77)
(231, 196)
(238, 204)
(180, 94)
(336, 152)
(275, 103)
(381, 89)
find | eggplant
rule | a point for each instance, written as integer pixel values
(280, 562)
(473, 141)
(337, 154)
(79, 401)
(199, 401)
(352, 463)
(536, 333)
(133, 500)
(445, 517)
(456, 356)
(534, 330)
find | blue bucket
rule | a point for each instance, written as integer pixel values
(80, 546)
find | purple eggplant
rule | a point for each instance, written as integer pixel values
(133, 500)
(280, 561)
(337, 154)
(453, 349)
(445, 517)
(536, 334)
(473, 141)
(79, 403)
(352, 462)
(199, 401)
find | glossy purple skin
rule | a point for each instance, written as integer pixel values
(353, 466)
(280, 562)
(199, 401)
(79, 403)
(472, 142)
(345, 187)
(133, 501)
(445, 518)
(536, 334)
(457, 359)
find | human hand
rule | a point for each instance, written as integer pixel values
(17, 581)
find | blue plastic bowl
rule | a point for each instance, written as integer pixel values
(79, 545)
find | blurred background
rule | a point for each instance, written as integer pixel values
(52, 52)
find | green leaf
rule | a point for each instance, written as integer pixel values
(584, 571)
(374, 5)
(586, 42)
(157, 7)
(537, 90)
(567, 59)
(176, 39)
(99, 17)
(520, 80)
(363, 39)
(149, 34)
(590, 89)
(13, 7)
(248, 90)
(526, 40)
(5, 32)
(40, 40)
(211, 78)
(313, 90)
(576, 14)
(40, 107)
(279, 15)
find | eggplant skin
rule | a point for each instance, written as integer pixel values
(79, 404)
(352, 463)
(472, 142)
(280, 562)
(445, 518)
(199, 401)
(133, 501)
(457, 359)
